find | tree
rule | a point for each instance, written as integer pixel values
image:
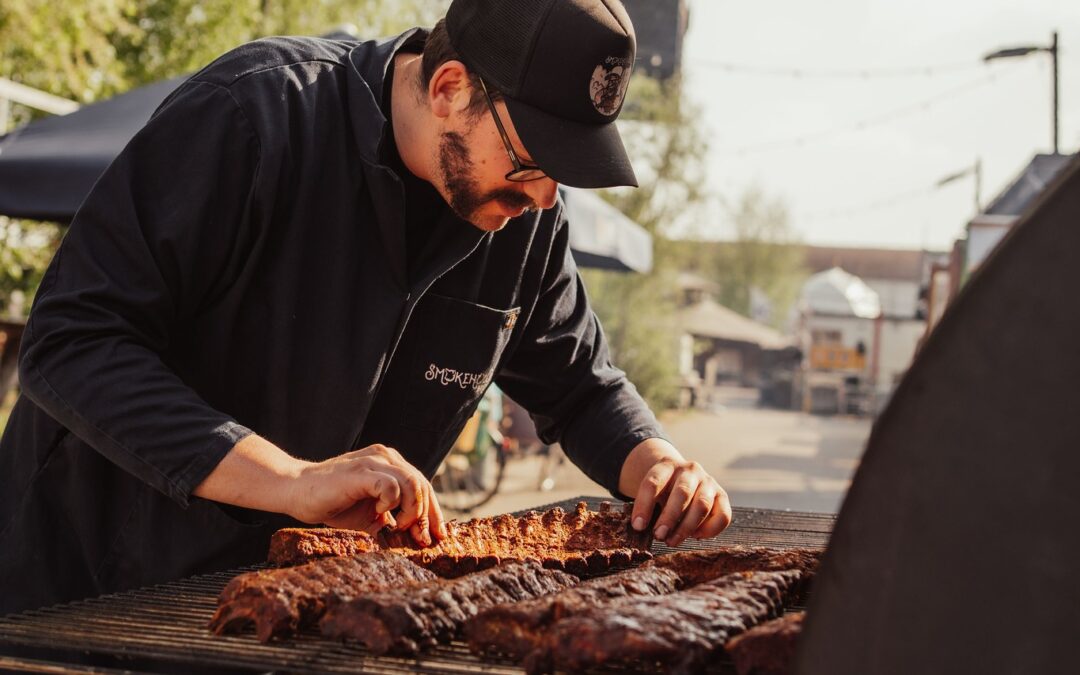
(638, 310)
(763, 258)
(93, 49)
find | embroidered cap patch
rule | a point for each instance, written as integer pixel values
(608, 84)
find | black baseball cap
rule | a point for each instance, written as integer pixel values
(563, 67)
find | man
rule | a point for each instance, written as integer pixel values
(286, 296)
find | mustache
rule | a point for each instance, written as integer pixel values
(512, 199)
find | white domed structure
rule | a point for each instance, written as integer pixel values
(839, 293)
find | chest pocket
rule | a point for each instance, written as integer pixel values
(453, 348)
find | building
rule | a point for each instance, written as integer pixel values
(721, 346)
(901, 281)
(839, 334)
(987, 229)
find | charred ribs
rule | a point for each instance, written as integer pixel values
(517, 629)
(404, 621)
(695, 567)
(281, 601)
(580, 542)
(768, 649)
(682, 630)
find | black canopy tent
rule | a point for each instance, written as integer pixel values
(49, 166)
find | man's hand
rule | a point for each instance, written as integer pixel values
(357, 490)
(694, 505)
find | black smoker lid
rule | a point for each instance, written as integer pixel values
(957, 549)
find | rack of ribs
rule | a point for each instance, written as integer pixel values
(768, 649)
(695, 567)
(681, 630)
(404, 621)
(518, 629)
(280, 602)
(581, 542)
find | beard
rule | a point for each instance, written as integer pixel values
(463, 190)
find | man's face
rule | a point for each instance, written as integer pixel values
(472, 165)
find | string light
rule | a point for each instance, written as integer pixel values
(860, 73)
(876, 205)
(864, 124)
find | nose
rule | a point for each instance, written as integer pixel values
(543, 191)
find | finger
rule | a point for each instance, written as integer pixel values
(413, 502)
(419, 529)
(438, 521)
(700, 507)
(381, 487)
(719, 518)
(648, 492)
(683, 487)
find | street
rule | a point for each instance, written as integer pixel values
(767, 458)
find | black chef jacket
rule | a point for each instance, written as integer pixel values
(241, 266)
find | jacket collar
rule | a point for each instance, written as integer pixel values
(368, 63)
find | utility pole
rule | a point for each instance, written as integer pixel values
(1054, 59)
(1013, 52)
(974, 170)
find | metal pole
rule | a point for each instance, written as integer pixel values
(1054, 58)
(978, 185)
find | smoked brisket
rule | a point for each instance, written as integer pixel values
(681, 630)
(407, 620)
(281, 601)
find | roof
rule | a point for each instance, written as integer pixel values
(1016, 198)
(839, 293)
(869, 263)
(710, 319)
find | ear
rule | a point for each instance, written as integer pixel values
(449, 90)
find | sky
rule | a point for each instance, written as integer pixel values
(856, 158)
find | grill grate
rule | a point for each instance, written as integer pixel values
(163, 628)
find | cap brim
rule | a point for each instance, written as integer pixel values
(572, 153)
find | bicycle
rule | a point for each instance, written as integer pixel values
(473, 471)
(472, 474)
(470, 477)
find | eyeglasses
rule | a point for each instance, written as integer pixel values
(522, 173)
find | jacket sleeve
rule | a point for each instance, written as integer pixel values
(150, 245)
(562, 373)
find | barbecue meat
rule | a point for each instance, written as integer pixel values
(768, 649)
(281, 601)
(695, 567)
(297, 545)
(407, 620)
(580, 542)
(681, 630)
(517, 629)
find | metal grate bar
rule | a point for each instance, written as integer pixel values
(166, 624)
